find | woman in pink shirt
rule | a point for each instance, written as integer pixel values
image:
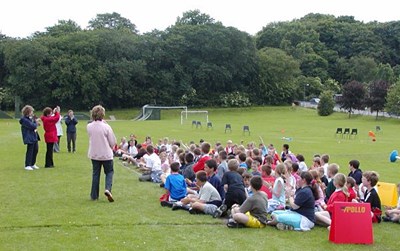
(101, 142)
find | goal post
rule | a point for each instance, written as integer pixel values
(196, 115)
(153, 112)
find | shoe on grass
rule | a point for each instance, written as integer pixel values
(165, 203)
(282, 226)
(218, 213)
(195, 211)
(28, 168)
(386, 219)
(109, 196)
(35, 167)
(176, 206)
(233, 224)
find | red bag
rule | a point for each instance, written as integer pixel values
(377, 215)
(164, 197)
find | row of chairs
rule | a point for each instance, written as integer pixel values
(346, 132)
(228, 127)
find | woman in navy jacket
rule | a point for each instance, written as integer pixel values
(30, 137)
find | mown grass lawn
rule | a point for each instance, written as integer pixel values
(49, 209)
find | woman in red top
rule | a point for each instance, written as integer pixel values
(340, 195)
(50, 118)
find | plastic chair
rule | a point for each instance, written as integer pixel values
(209, 125)
(228, 127)
(198, 124)
(194, 123)
(339, 131)
(346, 132)
(354, 132)
(246, 129)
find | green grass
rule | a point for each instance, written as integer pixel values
(49, 209)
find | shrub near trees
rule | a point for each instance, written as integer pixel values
(326, 104)
(199, 62)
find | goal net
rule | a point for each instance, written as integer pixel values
(190, 116)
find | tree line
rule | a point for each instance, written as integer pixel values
(200, 62)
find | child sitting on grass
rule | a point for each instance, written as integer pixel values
(234, 187)
(320, 187)
(340, 195)
(393, 213)
(255, 165)
(210, 167)
(175, 185)
(351, 182)
(246, 181)
(333, 169)
(278, 200)
(206, 201)
(253, 212)
(268, 180)
(369, 181)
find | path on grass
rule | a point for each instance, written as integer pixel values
(337, 108)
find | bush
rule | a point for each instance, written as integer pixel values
(235, 99)
(326, 104)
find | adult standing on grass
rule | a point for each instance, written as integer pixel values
(101, 142)
(71, 122)
(56, 147)
(30, 137)
(49, 119)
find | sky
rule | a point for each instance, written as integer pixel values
(21, 18)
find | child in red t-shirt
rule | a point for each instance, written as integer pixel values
(340, 195)
(205, 149)
(351, 182)
(268, 179)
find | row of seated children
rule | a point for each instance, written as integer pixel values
(268, 184)
(341, 194)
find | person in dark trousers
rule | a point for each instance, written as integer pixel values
(30, 137)
(71, 122)
(101, 142)
(50, 118)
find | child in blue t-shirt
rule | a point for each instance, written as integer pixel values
(175, 185)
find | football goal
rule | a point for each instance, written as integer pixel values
(190, 116)
(152, 112)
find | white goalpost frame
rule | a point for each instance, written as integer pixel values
(162, 107)
(185, 113)
(145, 107)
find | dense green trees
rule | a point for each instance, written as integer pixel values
(393, 100)
(278, 72)
(376, 96)
(112, 21)
(200, 62)
(353, 96)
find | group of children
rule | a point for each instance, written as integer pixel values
(253, 186)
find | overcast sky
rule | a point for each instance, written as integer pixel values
(21, 18)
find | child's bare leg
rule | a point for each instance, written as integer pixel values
(323, 218)
(395, 217)
(240, 218)
(198, 205)
(272, 222)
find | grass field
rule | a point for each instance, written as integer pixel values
(49, 209)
